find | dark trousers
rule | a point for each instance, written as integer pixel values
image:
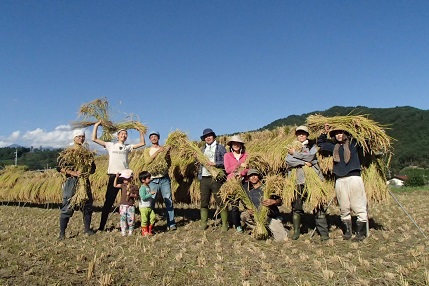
(209, 186)
(69, 189)
(111, 194)
(299, 199)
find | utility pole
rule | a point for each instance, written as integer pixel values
(16, 156)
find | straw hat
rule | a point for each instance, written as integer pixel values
(234, 138)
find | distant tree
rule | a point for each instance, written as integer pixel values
(415, 181)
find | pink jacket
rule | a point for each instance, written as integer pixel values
(231, 164)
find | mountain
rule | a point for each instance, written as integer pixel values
(407, 125)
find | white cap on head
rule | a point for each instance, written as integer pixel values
(78, 132)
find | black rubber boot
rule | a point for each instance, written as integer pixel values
(296, 219)
(87, 224)
(63, 226)
(360, 231)
(348, 229)
(322, 225)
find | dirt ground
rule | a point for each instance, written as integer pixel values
(395, 253)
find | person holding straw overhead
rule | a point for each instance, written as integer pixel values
(349, 186)
(118, 161)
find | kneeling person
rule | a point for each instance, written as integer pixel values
(254, 189)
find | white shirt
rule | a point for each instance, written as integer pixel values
(118, 157)
(209, 152)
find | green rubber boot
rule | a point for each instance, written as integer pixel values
(224, 217)
(296, 218)
(204, 217)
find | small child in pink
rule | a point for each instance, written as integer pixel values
(129, 193)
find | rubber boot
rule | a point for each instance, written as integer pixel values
(348, 229)
(150, 230)
(296, 219)
(145, 231)
(224, 218)
(204, 217)
(63, 226)
(322, 226)
(360, 231)
(87, 224)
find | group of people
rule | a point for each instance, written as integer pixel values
(348, 184)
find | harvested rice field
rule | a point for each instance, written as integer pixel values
(395, 253)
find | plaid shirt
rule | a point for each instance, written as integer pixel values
(219, 154)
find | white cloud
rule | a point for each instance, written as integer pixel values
(60, 137)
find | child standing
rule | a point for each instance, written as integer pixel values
(146, 211)
(129, 193)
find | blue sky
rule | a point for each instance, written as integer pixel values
(233, 66)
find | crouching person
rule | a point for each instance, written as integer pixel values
(255, 190)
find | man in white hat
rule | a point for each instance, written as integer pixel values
(118, 161)
(69, 187)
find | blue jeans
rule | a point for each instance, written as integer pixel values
(163, 185)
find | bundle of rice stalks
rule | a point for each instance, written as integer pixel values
(268, 150)
(316, 191)
(81, 196)
(374, 179)
(233, 191)
(99, 110)
(10, 175)
(188, 150)
(160, 164)
(326, 163)
(369, 134)
(78, 158)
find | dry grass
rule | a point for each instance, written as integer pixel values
(395, 253)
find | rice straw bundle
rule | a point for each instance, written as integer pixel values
(376, 188)
(368, 133)
(326, 163)
(296, 145)
(10, 175)
(78, 158)
(80, 196)
(99, 110)
(159, 164)
(233, 191)
(316, 191)
(268, 149)
(188, 149)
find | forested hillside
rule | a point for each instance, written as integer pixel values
(407, 125)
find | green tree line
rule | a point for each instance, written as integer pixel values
(34, 159)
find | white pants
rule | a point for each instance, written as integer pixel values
(351, 195)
